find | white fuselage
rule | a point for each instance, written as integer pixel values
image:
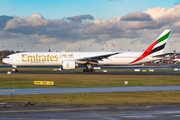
(176, 60)
(56, 58)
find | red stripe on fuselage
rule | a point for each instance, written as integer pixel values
(146, 53)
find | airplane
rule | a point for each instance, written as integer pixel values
(71, 60)
(176, 59)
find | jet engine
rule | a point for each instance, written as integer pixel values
(68, 64)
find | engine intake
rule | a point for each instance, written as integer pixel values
(68, 64)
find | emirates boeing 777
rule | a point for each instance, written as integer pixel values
(71, 60)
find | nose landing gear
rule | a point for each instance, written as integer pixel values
(14, 69)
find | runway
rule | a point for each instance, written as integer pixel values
(105, 70)
(28, 91)
(171, 72)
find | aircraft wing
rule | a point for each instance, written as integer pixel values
(95, 59)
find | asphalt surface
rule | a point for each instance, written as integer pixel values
(21, 111)
(30, 91)
(160, 69)
(101, 72)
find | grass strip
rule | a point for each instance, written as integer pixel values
(165, 97)
(80, 80)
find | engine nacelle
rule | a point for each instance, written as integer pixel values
(68, 64)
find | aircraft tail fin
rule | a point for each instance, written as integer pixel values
(175, 56)
(157, 47)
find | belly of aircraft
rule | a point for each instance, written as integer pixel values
(121, 61)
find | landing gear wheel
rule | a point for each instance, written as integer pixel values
(89, 70)
(85, 70)
(14, 70)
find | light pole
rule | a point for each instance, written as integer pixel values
(2, 51)
(33, 48)
(107, 47)
(49, 50)
(17, 48)
(90, 47)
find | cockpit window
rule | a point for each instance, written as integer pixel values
(7, 57)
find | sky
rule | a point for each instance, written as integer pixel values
(87, 25)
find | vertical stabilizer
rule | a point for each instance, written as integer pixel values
(157, 47)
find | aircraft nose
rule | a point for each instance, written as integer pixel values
(4, 60)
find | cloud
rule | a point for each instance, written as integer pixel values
(137, 16)
(168, 18)
(3, 20)
(142, 26)
(35, 20)
(159, 12)
(80, 18)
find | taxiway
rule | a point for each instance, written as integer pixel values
(29, 91)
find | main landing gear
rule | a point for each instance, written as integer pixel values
(89, 68)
